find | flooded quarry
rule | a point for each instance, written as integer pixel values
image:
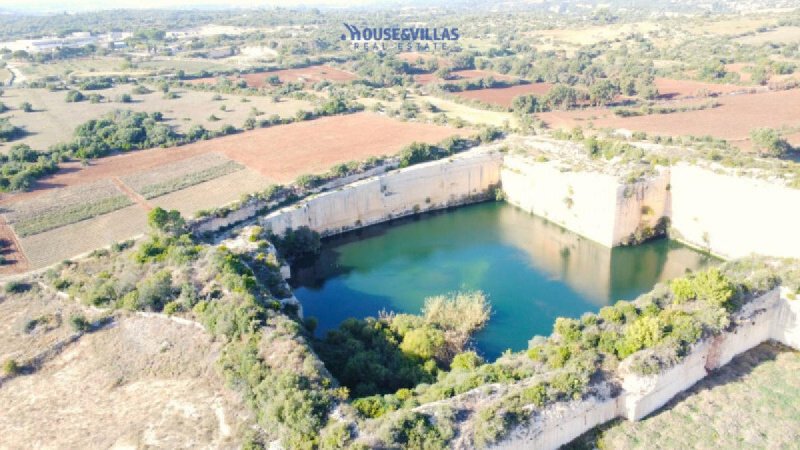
(531, 270)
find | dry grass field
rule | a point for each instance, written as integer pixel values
(467, 113)
(145, 381)
(214, 193)
(54, 120)
(62, 243)
(753, 402)
(593, 35)
(782, 35)
(311, 74)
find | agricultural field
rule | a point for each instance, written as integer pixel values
(311, 75)
(672, 89)
(180, 175)
(54, 120)
(461, 75)
(145, 380)
(211, 194)
(504, 96)
(732, 120)
(80, 238)
(83, 207)
(466, 113)
(59, 207)
(777, 35)
(753, 402)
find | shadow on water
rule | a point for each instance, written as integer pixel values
(531, 270)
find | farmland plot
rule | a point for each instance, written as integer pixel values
(66, 242)
(65, 206)
(180, 175)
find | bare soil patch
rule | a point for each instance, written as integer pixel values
(669, 88)
(506, 95)
(142, 381)
(733, 120)
(461, 75)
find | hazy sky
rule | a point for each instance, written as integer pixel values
(84, 5)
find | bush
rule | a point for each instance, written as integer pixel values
(462, 311)
(26, 107)
(710, 286)
(11, 367)
(769, 142)
(417, 431)
(466, 361)
(74, 97)
(17, 287)
(423, 343)
(78, 323)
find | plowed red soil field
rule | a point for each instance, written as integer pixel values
(732, 120)
(505, 96)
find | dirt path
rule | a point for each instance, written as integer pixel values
(133, 195)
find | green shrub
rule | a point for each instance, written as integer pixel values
(372, 407)
(423, 343)
(172, 307)
(417, 431)
(17, 287)
(336, 437)
(79, 323)
(75, 96)
(536, 394)
(466, 361)
(11, 367)
(568, 329)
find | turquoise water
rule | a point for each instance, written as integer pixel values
(531, 270)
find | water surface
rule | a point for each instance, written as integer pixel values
(531, 270)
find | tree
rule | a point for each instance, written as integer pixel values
(561, 96)
(166, 221)
(603, 92)
(525, 104)
(769, 142)
(26, 107)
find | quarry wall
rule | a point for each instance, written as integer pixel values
(734, 216)
(598, 206)
(771, 316)
(461, 179)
